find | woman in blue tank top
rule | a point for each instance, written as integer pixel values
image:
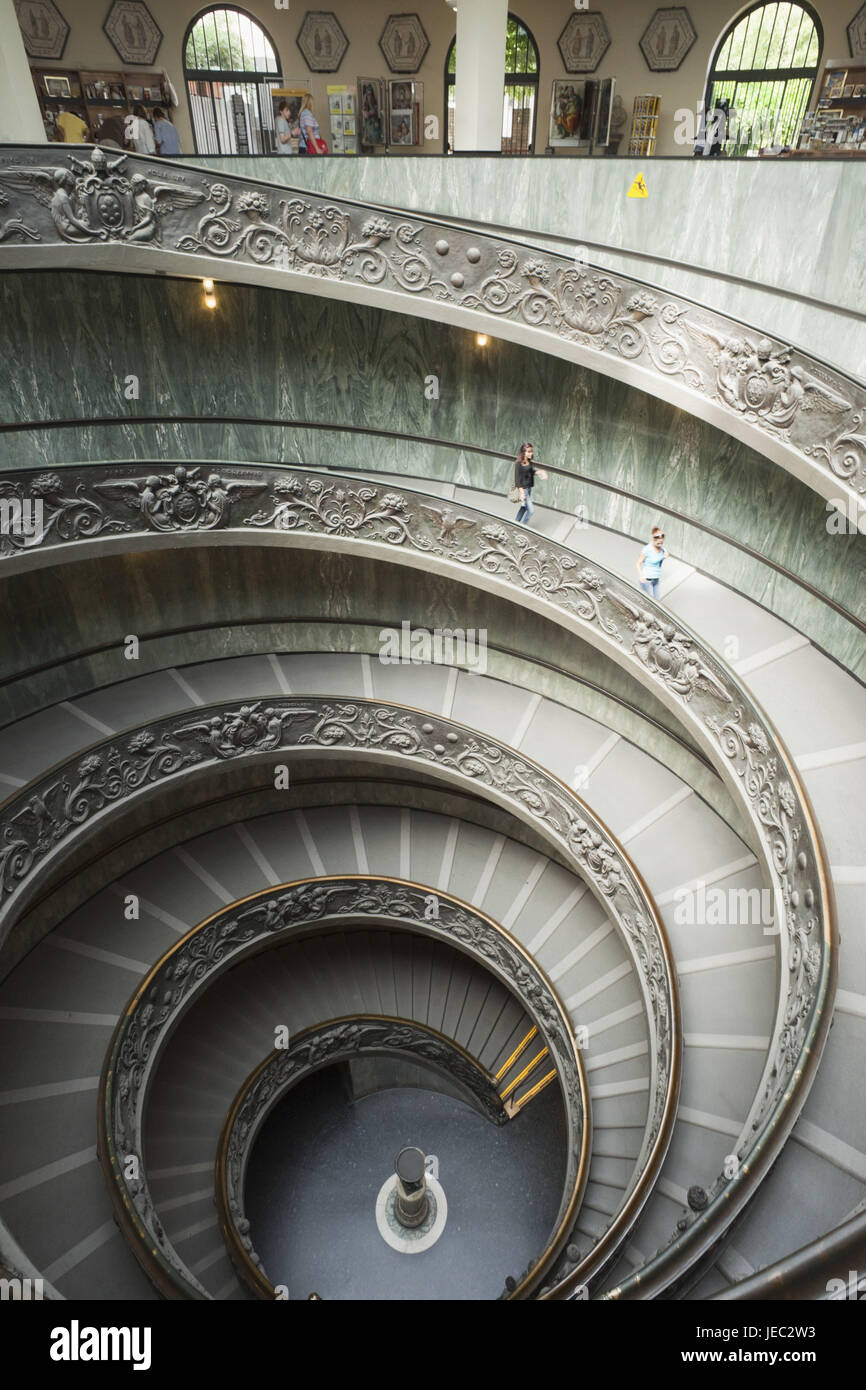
(650, 561)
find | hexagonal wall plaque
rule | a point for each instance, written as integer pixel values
(404, 42)
(322, 41)
(43, 28)
(667, 39)
(857, 34)
(133, 31)
(584, 41)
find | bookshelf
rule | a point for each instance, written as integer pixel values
(838, 121)
(94, 94)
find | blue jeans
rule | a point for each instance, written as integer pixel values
(651, 587)
(526, 508)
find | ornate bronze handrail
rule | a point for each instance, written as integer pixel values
(322, 1046)
(15, 485)
(257, 923)
(128, 211)
(331, 512)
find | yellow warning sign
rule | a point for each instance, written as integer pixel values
(638, 188)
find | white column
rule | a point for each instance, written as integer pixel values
(482, 26)
(20, 117)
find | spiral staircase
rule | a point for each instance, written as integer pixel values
(226, 815)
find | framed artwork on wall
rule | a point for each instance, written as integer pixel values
(606, 90)
(43, 28)
(567, 108)
(857, 34)
(584, 41)
(133, 32)
(402, 128)
(373, 114)
(405, 106)
(667, 39)
(322, 41)
(57, 86)
(404, 42)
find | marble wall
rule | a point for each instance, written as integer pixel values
(780, 244)
(74, 339)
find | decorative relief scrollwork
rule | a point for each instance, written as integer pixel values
(129, 199)
(319, 240)
(588, 307)
(845, 456)
(65, 512)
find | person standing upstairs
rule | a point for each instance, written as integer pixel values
(650, 561)
(284, 131)
(140, 132)
(73, 127)
(165, 134)
(525, 472)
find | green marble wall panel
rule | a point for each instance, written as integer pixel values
(74, 339)
(762, 225)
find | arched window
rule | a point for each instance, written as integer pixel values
(230, 65)
(765, 67)
(520, 100)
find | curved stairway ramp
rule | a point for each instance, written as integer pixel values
(687, 676)
(801, 413)
(850, 1159)
(546, 727)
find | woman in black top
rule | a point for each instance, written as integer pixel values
(524, 478)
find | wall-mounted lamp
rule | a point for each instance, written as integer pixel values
(210, 301)
(482, 339)
(208, 286)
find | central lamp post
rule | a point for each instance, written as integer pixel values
(412, 1201)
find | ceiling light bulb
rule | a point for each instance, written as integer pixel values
(482, 339)
(208, 286)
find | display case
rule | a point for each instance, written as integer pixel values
(644, 125)
(343, 119)
(838, 123)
